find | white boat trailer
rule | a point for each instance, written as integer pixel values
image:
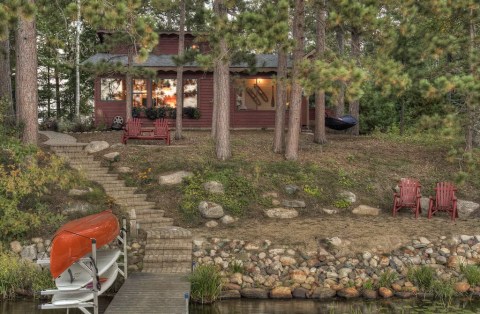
(90, 265)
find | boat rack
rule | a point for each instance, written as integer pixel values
(90, 265)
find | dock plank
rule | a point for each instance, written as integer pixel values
(151, 293)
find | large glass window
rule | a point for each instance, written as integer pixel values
(254, 94)
(139, 93)
(164, 93)
(112, 89)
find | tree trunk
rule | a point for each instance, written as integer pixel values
(6, 77)
(215, 100)
(281, 99)
(340, 108)
(293, 135)
(470, 112)
(319, 135)
(26, 78)
(181, 48)
(77, 62)
(223, 111)
(57, 92)
(355, 104)
(129, 86)
(49, 89)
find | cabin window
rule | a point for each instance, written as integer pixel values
(254, 94)
(112, 89)
(139, 94)
(164, 93)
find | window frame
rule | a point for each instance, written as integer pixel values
(124, 89)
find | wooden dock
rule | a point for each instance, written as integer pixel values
(152, 293)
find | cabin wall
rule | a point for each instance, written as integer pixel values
(105, 111)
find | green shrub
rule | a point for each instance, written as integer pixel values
(471, 273)
(342, 204)
(16, 274)
(152, 113)
(206, 284)
(443, 290)
(192, 113)
(422, 277)
(387, 278)
(237, 267)
(136, 112)
(26, 174)
(369, 285)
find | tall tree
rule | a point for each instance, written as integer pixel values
(26, 76)
(181, 49)
(340, 38)
(293, 135)
(321, 15)
(222, 65)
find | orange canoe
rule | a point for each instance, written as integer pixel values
(74, 239)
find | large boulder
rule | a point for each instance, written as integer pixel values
(174, 178)
(96, 146)
(16, 247)
(214, 187)
(254, 293)
(282, 213)
(294, 203)
(113, 156)
(281, 293)
(348, 196)
(76, 207)
(466, 208)
(124, 170)
(210, 210)
(366, 210)
(323, 293)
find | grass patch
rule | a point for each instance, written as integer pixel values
(16, 274)
(206, 284)
(237, 267)
(387, 278)
(423, 277)
(471, 273)
(369, 285)
(444, 290)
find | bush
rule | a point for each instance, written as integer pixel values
(50, 124)
(387, 278)
(191, 112)
(76, 125)
(152, 113)
(471, 273)
(423, 277)
(26, 174)
(16, 274)
(206, 284)
(136, 112)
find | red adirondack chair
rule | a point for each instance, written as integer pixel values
(408, 197)
(162, 131)
(132, 130)
(445, 200)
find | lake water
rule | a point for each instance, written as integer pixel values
(288, 307)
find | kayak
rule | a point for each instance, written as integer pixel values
(74, 239)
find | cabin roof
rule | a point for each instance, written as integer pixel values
(264, 62)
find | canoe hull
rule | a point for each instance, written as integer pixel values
(74, 239)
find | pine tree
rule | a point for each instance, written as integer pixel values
(319, 134)
(181, 49)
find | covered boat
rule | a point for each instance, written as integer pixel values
(74, 239)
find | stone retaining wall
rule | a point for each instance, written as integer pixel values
(264, 269)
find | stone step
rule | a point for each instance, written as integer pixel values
(168, 268)
(155, 223)
(94, 171)
(68, 148)
(160, 259)
(140, 207)
(170, 242)
(85, 163)
(103, 176)
(122, 189)
(127, 196)
(171, 245)
(107, 180)
(169, 252)
(112, 184)
(149, 212)
(169, 233)
(135, 203)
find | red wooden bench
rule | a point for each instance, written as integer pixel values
(134, 130)
(408, 197)
(445, 200)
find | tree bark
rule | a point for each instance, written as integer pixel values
(6, 77)
(215, 101)
(49, 89)
(470, 112)
(223, 111)
(293, 135)
(26, 78)
(57, 92)
(340, 108)
(181, 48)
(281, 99)
(319, 134)
(355, 104)
(128, 83)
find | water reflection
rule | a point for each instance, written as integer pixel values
(353, 307)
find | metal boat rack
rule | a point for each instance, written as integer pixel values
(89, 264)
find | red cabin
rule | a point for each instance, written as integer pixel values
(252, 96)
